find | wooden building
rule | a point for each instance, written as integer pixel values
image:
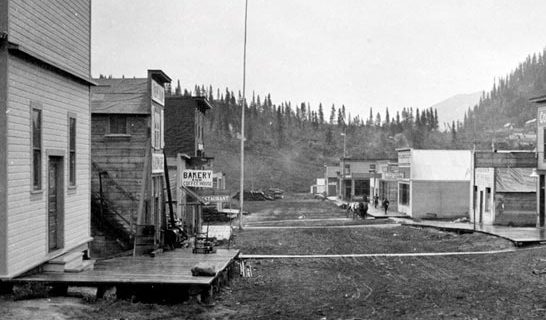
(387, 176)
(185, 150)
(434, 183)
(127, 154)
(331, 179)
(504, 190)
(355, 178)
(541, 159)
(44, 134)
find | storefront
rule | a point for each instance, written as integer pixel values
(433, 183)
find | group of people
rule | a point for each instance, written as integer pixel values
(361, 208)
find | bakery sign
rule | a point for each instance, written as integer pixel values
(197, 178)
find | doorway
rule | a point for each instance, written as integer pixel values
(541, 200)
(55, 203)
(481, 207)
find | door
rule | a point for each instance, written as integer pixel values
(348, 189)
(481, 206)
(55, 203)
(541, 200)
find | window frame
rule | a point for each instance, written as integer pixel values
(72, 150)
(404, 189)
(36, 178)
(117, 116)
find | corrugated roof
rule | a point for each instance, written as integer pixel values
(128, 96)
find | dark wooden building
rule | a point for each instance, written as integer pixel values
(185, 150)
(127, 153)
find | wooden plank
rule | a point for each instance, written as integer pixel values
(170, 268)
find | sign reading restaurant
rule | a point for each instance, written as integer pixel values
(217, 198)
(197, 178)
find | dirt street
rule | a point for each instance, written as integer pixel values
(508, 285)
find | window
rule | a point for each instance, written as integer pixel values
(404, 193)
(36, 148)
(157, 128)
(118, 124)
(72, 151)
(347, 169)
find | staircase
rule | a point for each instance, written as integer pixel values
(69, 262)
(111, 220)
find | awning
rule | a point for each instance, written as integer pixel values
(195, 195)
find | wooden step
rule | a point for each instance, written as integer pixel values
(68, 260)
(85, 265)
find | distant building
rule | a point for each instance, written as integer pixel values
(127, 155)
(185, 150)
(541, 159)
(503, 192)
(354, 178)
(387, 176)
(331, 179)
(319, 187)
(434, 183)
(44, 134)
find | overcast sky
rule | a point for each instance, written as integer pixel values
(359, 53)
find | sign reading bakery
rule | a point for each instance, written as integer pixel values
(197, 178)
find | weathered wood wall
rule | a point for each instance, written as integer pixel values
(122, 157)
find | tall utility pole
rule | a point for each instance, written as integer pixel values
(242, 188)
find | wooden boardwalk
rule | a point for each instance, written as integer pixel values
(519, 236)
(173, 267)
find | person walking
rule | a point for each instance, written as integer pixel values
(386, 205)
(375, 201)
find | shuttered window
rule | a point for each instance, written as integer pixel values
(36, 149)
(72, 151)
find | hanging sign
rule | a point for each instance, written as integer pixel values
(217, 198)
(158, 93)
(157, 162)
(197, 178)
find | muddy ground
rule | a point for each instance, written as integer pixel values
(496, 286)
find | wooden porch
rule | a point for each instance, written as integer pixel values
(172, 268)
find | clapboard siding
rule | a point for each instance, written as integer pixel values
(27, 212)
(57, 29)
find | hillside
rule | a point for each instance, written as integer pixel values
(454, 108)
(287, 145)
(506, 105)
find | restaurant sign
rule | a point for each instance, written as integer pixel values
(158, 162)
(217, 198)
(197, 178)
